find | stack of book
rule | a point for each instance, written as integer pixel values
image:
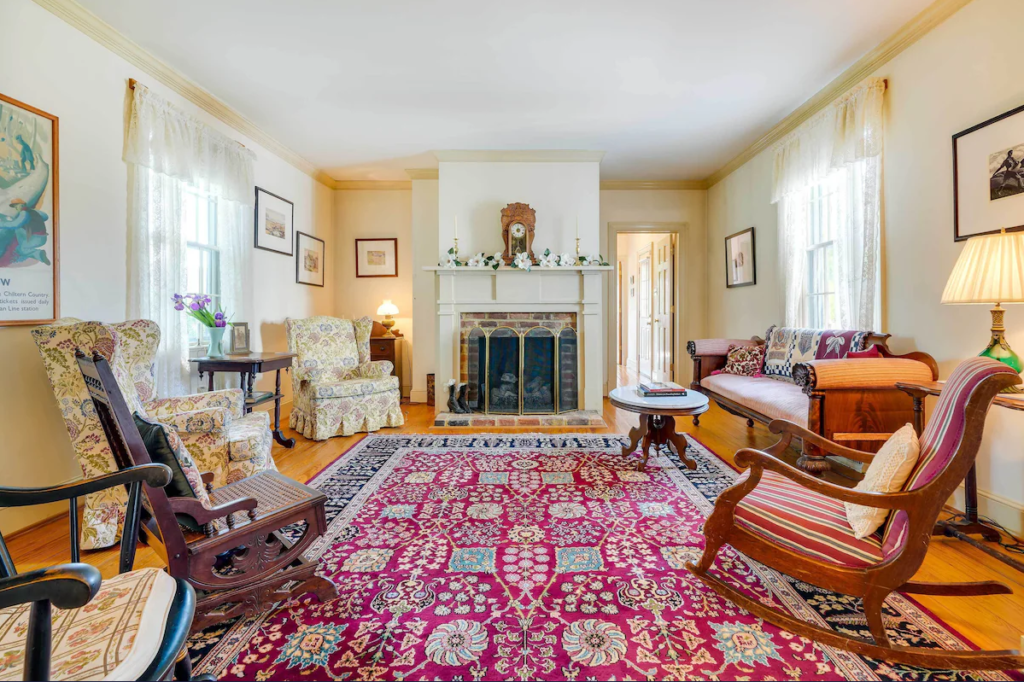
(658, 389)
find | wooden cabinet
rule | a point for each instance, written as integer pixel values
(386, 348)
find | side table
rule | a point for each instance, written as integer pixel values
(248, 366)
(657, 425)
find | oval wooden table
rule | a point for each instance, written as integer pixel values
(657, 420)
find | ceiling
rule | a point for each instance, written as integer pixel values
(670, 89)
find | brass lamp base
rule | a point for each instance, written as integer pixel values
(999, 349)
(388, 322)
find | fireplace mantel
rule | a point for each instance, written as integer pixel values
(571, 289)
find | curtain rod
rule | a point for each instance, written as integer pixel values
(131, 86)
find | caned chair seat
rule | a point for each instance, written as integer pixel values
(116, 636)
(804, 521)
(353, 387)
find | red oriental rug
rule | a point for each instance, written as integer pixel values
(540, 558)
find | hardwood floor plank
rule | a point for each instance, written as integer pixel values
(990, 622)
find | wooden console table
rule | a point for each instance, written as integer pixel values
(248, 366)
(971, 524)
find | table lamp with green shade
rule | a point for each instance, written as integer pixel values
(991, 270)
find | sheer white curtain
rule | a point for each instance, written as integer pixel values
(168, 152)
(841, 148)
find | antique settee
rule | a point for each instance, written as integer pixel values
(337, 390)
(212, 427)
(806, 378)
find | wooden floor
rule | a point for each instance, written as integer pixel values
(995, 622)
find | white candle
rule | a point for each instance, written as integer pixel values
(456, 226)
(577, 226)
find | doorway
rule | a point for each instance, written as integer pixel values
(646, 282)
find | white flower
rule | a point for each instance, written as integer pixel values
(477, 261)
(451, 263)
(548, 261)
(451, 382)
(522, 261)
(567, 260)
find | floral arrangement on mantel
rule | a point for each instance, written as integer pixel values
(522, 261)
(197, 306)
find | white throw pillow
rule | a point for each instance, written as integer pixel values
(887, 473)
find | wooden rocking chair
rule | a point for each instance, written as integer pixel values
(240, 570)
(812, 546)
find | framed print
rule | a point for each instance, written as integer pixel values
(309, 259)
(740, 268)
(239, 338)
(377, 257)
(988, 177)
(29, 215)
(274, 222)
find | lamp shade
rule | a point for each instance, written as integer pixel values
(990, 270)
(387, 308)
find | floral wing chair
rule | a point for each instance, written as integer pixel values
(231, 446)
(337, 390)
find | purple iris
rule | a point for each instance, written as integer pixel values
(195, 306)
(221, 323)
(218, 316)
(179, 306)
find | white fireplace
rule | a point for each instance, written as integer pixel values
(468, 291)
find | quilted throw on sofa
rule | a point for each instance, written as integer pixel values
(787, 346)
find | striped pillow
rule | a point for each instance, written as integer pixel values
(888, 471)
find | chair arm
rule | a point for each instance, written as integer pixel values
(203, 515)
(156, 475)
(231, 399)
(858, 373)
(68, 586)
(759, 461)
(699, 347)
(376, 369)
(791, 429)
(208, 420)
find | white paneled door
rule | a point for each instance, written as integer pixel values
(645, 312)
(663, 309)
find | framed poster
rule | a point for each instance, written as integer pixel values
(988, 177)
(29, 215)
(740, 267)
(309, 259)
(377, 257)
(274, 222)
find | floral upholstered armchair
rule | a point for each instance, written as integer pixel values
(337, 390)
(210, 432)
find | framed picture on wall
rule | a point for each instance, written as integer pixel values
(29, 215)
(309, 259)
(274, 222)
(988, 176)
(377, 257)
(740, 267)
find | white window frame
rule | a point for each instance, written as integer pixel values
(823, 211)
(198, 338)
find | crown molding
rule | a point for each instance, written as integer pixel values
(372, 184)
(517, 155)
(653, 184)
(80, 18)
(421, 173)
(907, 35)
(325, 179)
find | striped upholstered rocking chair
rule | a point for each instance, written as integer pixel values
(796, 524)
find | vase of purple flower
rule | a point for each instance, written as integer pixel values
(198, 306)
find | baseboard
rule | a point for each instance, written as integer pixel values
(418, 396)
(1004, 511)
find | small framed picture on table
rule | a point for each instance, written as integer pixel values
(240, 338)
(309, 260)
(377, 257)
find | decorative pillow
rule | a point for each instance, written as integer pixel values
(872, 352)
(888, 471)
(744, 360)
(183, 469)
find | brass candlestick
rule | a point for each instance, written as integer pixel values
(577, 250)
(456, 252)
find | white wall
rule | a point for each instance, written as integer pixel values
(424, 295)
(52, 66)
(953, 78)
(376, 214)
(560, 192)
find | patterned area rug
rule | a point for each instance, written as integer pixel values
(540, 558)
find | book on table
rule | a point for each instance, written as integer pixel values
(662, 389)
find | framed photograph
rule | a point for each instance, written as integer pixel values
(274, 222)
(988, 177)
(239, 338)
(377, 257)
(740, 267)
(309, 259)
(29, 215)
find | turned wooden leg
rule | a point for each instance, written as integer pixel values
(635, 435)
(696, 421)
(750, 422)
(812, 461)
(677, 442)
(647, 442)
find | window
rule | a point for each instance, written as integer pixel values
(820, 286)
(202, 269)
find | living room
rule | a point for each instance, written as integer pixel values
(478, 342)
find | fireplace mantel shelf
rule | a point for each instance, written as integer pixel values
(491, 271)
